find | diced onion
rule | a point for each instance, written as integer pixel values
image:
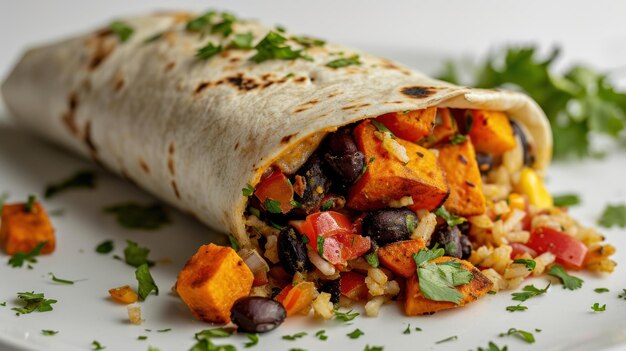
(253, 260)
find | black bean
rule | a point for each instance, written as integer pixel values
(316, 184)
(256, 314)
(529, 158)
(389, 225)
(485, 162)
(333, 287)
(292, 251)
(466, 247)
(343, 157)
(448, 238)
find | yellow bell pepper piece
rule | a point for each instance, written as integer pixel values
(532, 185)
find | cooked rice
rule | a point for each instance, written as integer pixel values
(392, 146)
(134, 314)
(322, 307)
(375, 281)
(425, 228)
(325, 267)
(372, 307)
(542, 261)
(402, 202)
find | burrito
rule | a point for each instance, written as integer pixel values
(348, 173)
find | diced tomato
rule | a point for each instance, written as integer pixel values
(568, 250)
(276, 187)
(352, 285)
(520, 249)
(340, 248)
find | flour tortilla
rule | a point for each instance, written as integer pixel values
(194, 132)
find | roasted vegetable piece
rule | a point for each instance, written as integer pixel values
(410, 125)
(568, 250)
(316, 184)
(416, 304)
(445, 128)
(491, 132)
(255, 314)
(276, 187)
(532, 186)
(292, 251)
(22, 230)
(387, 178)
(212, 280)
(398, 256)
(299, 298)
(448, 238)
(353, 286)
(124, 294)
(343, 158)
(466, 188)
(388, 225)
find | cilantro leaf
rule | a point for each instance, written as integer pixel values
(242, 41)
(48, 332)
(201, 22)
(327, 205)
(213, 333)
(321, 334)
(566, 200)
(18, 258)
(458, 139)
(225, 27)
(569, 281)
(613, 215)
(308, 42)
(450, 218)
(425, 255)
(234, 244)
(493, 347)
(272, 206)
(105, 247)
(34, 302)
(622, 295)
(145, 282)
(530, 264)
(320, 246)
(437, 280)
(82, 179)
(597, 308)
(135, 255)
(601, 290)
(528, 292)
(344, 62)
(248, 190)
(30, 203)
(122, 30)
(345, 316)
(355, 334)
(207, 345)
(524, 335)
(135, 216)
(95, 345)
(272, 47)
(208, 51)
(373, 348)
(372, 259)
(294, 336)
(515, 308)
(253, 339)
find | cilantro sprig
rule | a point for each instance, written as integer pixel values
(355, 334)
(450, 218)
(522, 334)
(19, 258)
(569, 281)
(273, 47)
(613, 215)
(438, 280)
(145, 282)
(345, 316)
(344, 62)
(566, 200)
(135, 255)
(81, 179)
(596, 307)
(33, 302)
(122, 30)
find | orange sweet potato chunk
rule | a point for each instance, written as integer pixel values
(445, 128)
(416, 304)
(491, 132)
(398, 256)
(388, 178)
(411, 125)
(212, 280)
(463, 175)
(22, 231)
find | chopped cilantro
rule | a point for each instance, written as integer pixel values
(208, 51)
(213, 333)
(451, 338)
(344, 62)
(164, 330)
(59, 280)
(201, 22)
(294, 336)
(622, 295)
(597, 308)
(530, 264)
(142, 337)
(381, 127)
(372, 259)
(105, 247)
(95, 345)
(345, 316)
(613, 215)
(82, 179)
(248, 190)
(373, 348)
(566, 200)
(273, 47)
(524, 335)
(569, 281)
(458, 139)
(3, 303)
(295, 204)
(234, 244)
(529, 291)
(18, 258)
(34, 302)
(207, 345)
(493, 347)
(30, 203)
(601, 290)
(48, 332)
(122, 30)
(135, 216)
(321, 334)
(135, 255)
(145, 282)
(411, 223)
(320, 246)
(305, 239)
(308, 42)
(515, 308)
(225, 27)
(242, 41)
(327, 205)
(407, 330)
(438, 280)
(152, 348)
(253, 339)
(272, 205)
(355, 334)
(450, 218)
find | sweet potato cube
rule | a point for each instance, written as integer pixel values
(387, 178)
(398, 256)
(416, 304)
(491, 132)
(212, 280)
(445, 128)
(22, 231)
(411, 125)
(463, 176)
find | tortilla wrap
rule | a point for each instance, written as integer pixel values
(194, 132)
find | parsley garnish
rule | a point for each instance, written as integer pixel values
(18, 259)
(308, 42)
(372, 259)
(225, 27)
(122, 30)
(208, 51)
(105, 247)
(294, 336)
(164, 330)
(493, 347)
(601, 290)
(199, 23)
(59, 280)
(458, 139)
(48, 332)
(207, 345)
(613, 215)
(253, 339)
(135, 255)
(519, 307)
(248, 190)
(272, 47)
(355, 334)
(145, 282)
(530, 264)
(529, 291)
(34, 302)
(30, 203)
(450, 218)
(327, 205)
(135, 216)
(152, 348)
(407, 330)
(213, 333)
(345, 316)
(524, 335)
(344, 62)
(272, 206)
(321, 334)
(451, 338)
(320, 246)
(569, 281)
(142, 337)
(82, 179)
(97, 346)
(242, 41)
(438, 280)
(597, 308)
(566, 200)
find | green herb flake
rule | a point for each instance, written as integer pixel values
(372, 259)
(3, 303)
(381, 127)
(48, 332)
(308, 42)
(294, 336)
(213, 333)
(225, 27)
(407, 330)
(200, 23)
(320, 246)
(30, 203)
(493, 347)
(458, 139)
(344, 62)
(96, 345)
(566, 200)
(164, 330)
(145, 282)
(272, 47)
(528, 292)
(451, 219)
(34, 302)
(135, 255)
(327, 205)
(61, 281)
(248, 190)
(122, 30)
(438, 280)
(613, 215)
(272, 206)
(142, 337)
(253, 339)
(234, 244)
(305, 239)
(451, 338)
(207, 345)
(105, 247)
(321, 334)
(18, 258)
(82, 179)
(524, 335)
(622, 295)
(345, 316)
(530, 264)
(152, 348)
(355, 334)
(242, 41)
(597, 308)
(516, 308)
(601, 290)
(135, 216)
(295, 204)
(208, 51)
(373, 348)
(569, 281)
